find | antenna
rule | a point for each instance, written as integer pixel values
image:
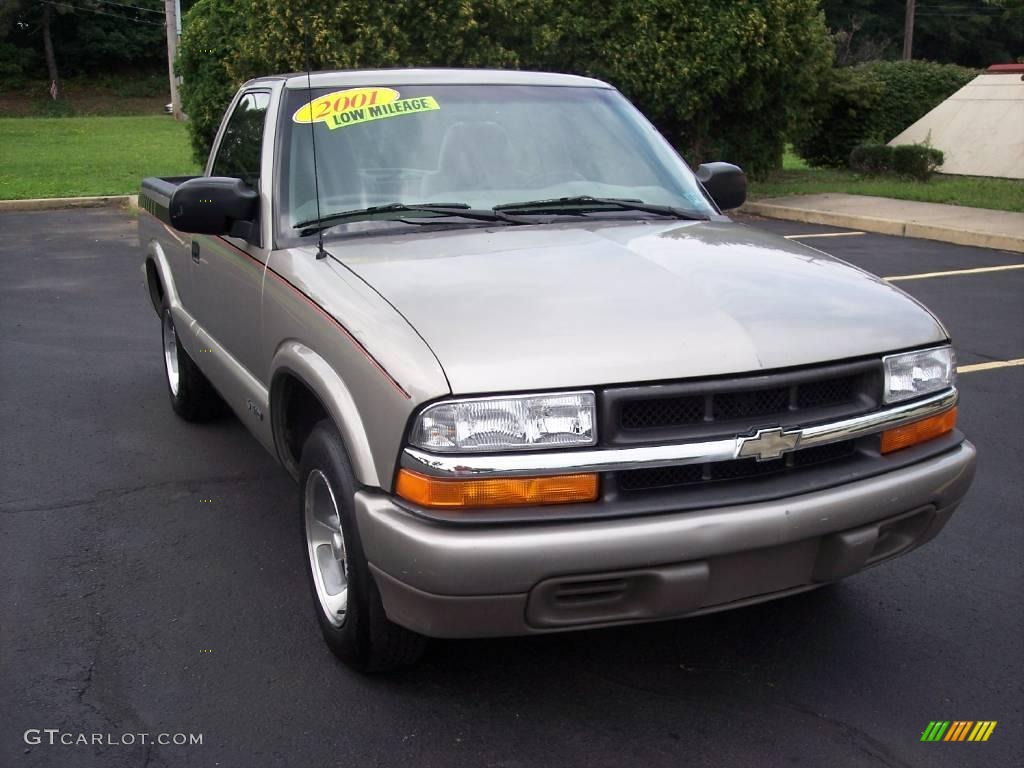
(320, 252)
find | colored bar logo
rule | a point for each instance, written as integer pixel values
(958, 730)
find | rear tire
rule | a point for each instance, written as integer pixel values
(345, 597)
(192, 395)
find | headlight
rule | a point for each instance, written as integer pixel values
(560, 420)
(912, 374)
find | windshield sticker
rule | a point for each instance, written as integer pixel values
(361, 105)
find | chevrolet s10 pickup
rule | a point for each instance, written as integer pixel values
(527, 375)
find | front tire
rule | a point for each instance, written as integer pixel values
(192, 395)
(345, 597)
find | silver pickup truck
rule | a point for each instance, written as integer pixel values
(528, 376)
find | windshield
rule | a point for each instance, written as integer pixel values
(478, 146)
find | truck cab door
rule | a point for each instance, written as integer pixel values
(227, 272)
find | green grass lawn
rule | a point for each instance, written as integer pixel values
(79, 156)
(796, 178)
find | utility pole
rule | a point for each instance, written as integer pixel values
(172, 50)
(908, 32)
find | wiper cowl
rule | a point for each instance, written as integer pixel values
(462, 210)
(584, 203)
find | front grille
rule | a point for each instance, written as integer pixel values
(724, 408)
(744, 405)
(723, 471)
(664, 413)
(660, 412)
(816, 394)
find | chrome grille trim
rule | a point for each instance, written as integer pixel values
(653, 456)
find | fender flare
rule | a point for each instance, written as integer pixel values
(155, 255)
(296, 359)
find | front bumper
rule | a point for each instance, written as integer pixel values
(447, 580)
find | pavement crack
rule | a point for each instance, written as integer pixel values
(84, 687)
(109, 494)
(871, 747)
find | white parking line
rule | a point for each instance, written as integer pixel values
(823, 234)
(975, 271)
(990, 366)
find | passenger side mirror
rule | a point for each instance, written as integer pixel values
(726, 183)
(214, 205)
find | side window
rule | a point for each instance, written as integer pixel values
(239, 153)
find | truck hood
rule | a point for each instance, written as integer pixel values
(577, 305)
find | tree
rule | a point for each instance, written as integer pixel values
(972, 33)
(51, 61)
(83, 37)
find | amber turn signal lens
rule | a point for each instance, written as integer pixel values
(918, 431)
(495, 492)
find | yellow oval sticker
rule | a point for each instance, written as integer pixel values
(329, 108)
(361, 105)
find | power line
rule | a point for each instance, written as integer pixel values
(104, 13)
(961, 9)
(133, 7)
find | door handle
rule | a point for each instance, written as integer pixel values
(195, 251)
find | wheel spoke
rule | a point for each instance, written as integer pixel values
(170, 340)
(325, 542)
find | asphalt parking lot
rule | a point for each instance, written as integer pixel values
(152, 578)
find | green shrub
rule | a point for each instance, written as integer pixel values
(916, 160)
(139, 86)
(848, 99)
(50, 108)
(872, 103)
(872, 159)
(910, 90)
(207, 40)
(720, 80)
(12, 65)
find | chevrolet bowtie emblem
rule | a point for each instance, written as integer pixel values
(769, 444)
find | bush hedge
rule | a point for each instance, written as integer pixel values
(847, 101)
(916, 161)
(720, 80)
(910, 90)
(874, 102)
(871, 159)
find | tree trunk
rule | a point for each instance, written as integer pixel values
(51, 60)
(172, 50)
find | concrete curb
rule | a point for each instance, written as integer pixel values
(59, 203)
(883, 226)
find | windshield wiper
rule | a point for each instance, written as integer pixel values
(583, 203)
(439, 210)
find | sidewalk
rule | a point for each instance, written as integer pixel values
(932, 221)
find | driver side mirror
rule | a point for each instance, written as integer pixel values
(214, 205)
(726, 183)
